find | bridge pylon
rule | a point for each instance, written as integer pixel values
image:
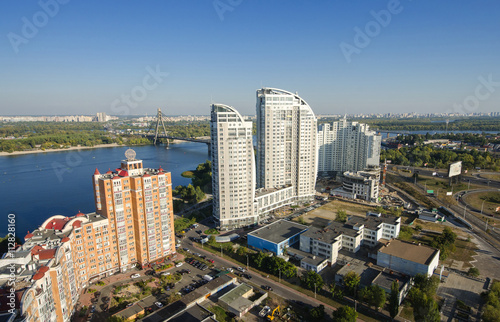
(159, 119)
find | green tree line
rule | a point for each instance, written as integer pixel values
(419, 156)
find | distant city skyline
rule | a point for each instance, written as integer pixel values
(391, 56)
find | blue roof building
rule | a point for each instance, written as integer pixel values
(276, 237)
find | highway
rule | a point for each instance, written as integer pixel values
(479, 226)
(473, 178)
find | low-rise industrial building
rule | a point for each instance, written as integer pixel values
(238, 300)
(408, 257)
(276, 237)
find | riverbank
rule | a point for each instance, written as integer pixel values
(98, 146)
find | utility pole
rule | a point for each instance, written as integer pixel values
(482, 205)
(468, 186)
(314, 290)
(486, 226)
(221, 251)
(465, 209)
(247, 262)
(280, 275)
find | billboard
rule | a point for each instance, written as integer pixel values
(455, 169)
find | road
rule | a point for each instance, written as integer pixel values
(473, 178)
(257, 279)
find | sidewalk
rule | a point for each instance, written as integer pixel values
(382, 313)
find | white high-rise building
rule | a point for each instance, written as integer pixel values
(347, 146)
(286, 143)
(233, 168)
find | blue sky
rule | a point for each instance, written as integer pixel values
(82, 59)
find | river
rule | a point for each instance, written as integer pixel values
(37, 186)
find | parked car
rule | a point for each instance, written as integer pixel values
(179, 264)
(241, 269)
(267, 288)
(210, 260)
(158, 304)
(135, 275)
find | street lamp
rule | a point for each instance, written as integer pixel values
(314, 290)
(220, 250)
(482, 207)
(247, 262)
(280, 275)
(465, 209)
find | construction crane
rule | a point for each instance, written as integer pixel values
(271, 317)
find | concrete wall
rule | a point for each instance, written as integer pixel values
(406, 266)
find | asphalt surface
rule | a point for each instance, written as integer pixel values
(256, 279)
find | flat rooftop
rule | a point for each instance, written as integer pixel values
(325, 235)
(385, 279)
(314, 260)
(367, 274)
(234, 298)
(416, 253)
(279, 231)
(195, 313)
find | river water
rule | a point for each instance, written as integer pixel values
(37, 186)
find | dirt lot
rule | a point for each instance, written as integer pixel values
(329, 211)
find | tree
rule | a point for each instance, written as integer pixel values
(473, 271)
(318, 312)
(242, 251)
(258, 258)
(211, 240)
(200, 195)
(393, 306)
(345, 314)
(289, 270)
(445, 242)
(428, 285)
(351, 281)
(341, 215)
(312, 280)
(425, 308)
(491, 310)
(337, 293)
(374, 295)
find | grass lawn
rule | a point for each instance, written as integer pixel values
(438, 227)
(463, 252)
(491, 201)
(407, 313)
(440, 185)
(188, 174)
(492, 176)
